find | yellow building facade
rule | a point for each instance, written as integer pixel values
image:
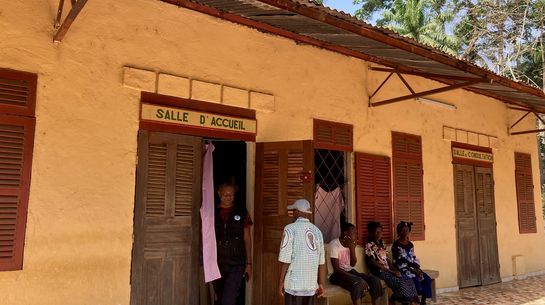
(80, 221)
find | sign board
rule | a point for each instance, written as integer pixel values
(184, 117)
(469, 154)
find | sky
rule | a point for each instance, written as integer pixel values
(341, 5)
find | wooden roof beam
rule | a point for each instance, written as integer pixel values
(77, 6)
(518, 108)
(301, 37)
(369, 32)
(526, 131)
(525, 115)
(428, 92)
(424, 74)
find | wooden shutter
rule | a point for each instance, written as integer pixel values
(334, 136)
(373, 191)
(167, 225)
(408, 182)
(17, 103)
(525, 193)
(17, 92)
(283, 175)
(16, 142)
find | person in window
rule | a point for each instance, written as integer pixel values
(342, 253)
(406, 262)
(234, 245)
(382, 267)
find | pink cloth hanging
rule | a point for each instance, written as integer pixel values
(328, 209)
(209, 252)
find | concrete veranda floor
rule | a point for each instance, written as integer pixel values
(530, 291)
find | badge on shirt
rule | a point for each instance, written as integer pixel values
(237, 217)
(286, 236)
(310, 240)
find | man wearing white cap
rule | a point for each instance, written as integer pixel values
(302, 258)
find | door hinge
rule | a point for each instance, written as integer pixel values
(136, 159)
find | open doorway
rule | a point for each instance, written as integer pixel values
(230, 166)
(229, 159)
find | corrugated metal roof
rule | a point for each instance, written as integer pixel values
(335, 28)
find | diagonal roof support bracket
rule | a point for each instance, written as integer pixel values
(380, 87)
(77, 6)
(528, 111)
(406, 83)
(415, 95)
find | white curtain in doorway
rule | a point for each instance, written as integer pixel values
(209, 252)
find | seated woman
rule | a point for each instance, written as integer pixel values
(406, 262)
(342, 252)
(379, 265)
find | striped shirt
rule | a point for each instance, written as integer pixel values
(302, 247)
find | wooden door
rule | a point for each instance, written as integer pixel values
(467, 241)
(486, 220)
(283, 175)
(166, 222)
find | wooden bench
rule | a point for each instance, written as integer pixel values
(332, 291)
(433, 274)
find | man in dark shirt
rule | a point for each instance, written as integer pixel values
(234, 245)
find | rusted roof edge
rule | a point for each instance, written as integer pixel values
(323, 14)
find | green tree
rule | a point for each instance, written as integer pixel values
(370, 7)
(497, 34)
(422, 20)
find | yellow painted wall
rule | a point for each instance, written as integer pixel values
(78, 245)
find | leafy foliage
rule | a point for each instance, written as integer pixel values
(505, 36)
(423, 21)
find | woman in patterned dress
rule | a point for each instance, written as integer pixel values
(406, 262)
(380, 266)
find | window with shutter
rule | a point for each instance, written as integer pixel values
(17, 92)
(525, 193)
(17, 101)
(373, 195)
(408, 182)
(332, 135)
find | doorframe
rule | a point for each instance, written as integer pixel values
(475, 164)
(249, 139)
(250, 197)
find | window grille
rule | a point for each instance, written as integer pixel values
(329, 196)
